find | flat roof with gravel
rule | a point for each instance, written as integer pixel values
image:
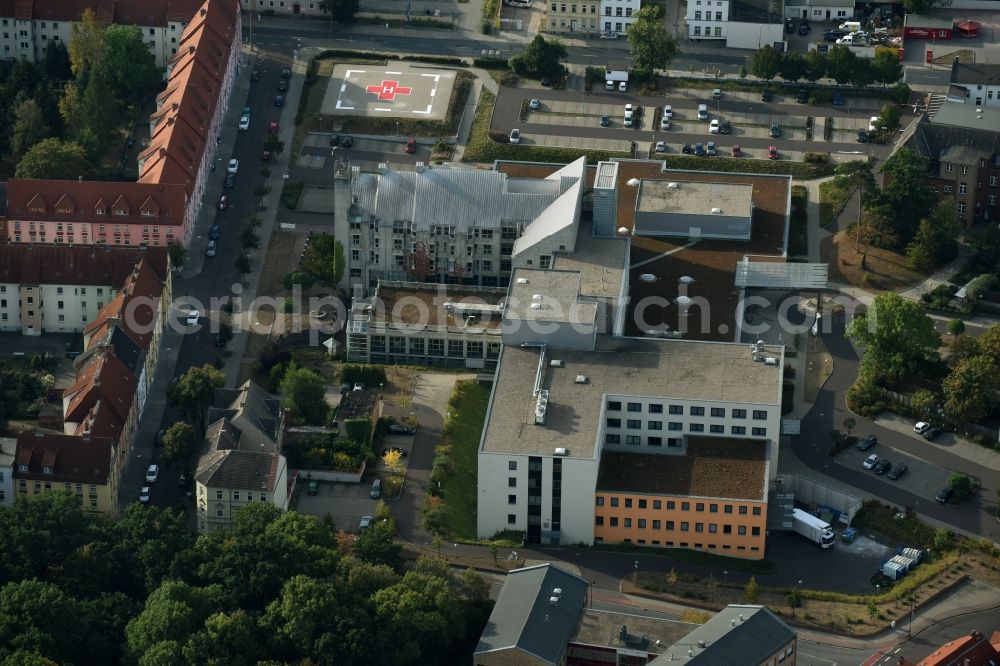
(416, 305)
(680, 369)
(693, 197)
(727, 467)
(550, 295)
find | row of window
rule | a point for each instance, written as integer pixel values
(155, 241)
(708, 16)
(714, 412)
(583, 10)
(670, 525)
(677, 426)
(636, 440)
(699, 507)
(435, 347)
(708, 31)
(102, 228)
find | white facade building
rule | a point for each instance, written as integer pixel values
(8, 451)
(618, 15)
(707, 19)
(975, 84)
(819, 10)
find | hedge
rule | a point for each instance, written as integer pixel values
(797, 170)
(369, 375)
(490, 63)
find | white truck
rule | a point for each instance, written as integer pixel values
(813, 528)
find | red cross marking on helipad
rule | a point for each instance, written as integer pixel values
(387, 90)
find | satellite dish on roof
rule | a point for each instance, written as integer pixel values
(634, 182)
(683, 300)
(686, 279)
(623, 230)
(647, 277)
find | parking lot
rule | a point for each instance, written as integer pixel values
(923, 479)
(851, 564)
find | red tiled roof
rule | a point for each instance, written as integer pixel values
(972, 649)
(35, 199)
(133, 308)
(104, 386)
(76, 459)
(152, 13)
(78, 265)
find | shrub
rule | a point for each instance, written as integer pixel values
(816, 158)
(301, 278)
(291, 194)
(369, 375)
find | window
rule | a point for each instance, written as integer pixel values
(612, 439)
(656, 525)
(697, 411)
(614, 423)
(743, 511)
(655, 408)
(671, 504)
(628, 502)
(963, 188)
(728, 508)
(641, 524)
(717, 428)
(961, 211)
(599, 500)
(739, 413)
(633, 424)
(741, 530)
(670, 525)
(654, 441)
(614, 501)
(699, 506)
(755, 531)
(512, 465)
(718, 412)
(684, 526)
(713, 528)
(657, 504)
(947, 189)
(759, 415)
(676, 409)
(697, 427)
(599, 520)
(993, 181)
(727, 529)
(697, 31)
(965, 170)
(674, 425)
(512, 482)
(949, 167)
(236, 495)
(699, 527)
(614, 406)
(218, 494)
(718, 16)
(685, 506)
(635, 406)
(655, 425)
(511, 499)
(511, 519)
(697, 16)
(634, 440)
(614, 521)
(758, 432)
(738, 430)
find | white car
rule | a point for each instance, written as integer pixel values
(152, 474)
(515, 136)
(233, 166)
(668, 111)
(921, 427)
(535, 103)
(193, 317)
(713, 127)
(703, 112)
(870, 461)
(245, 123)
(661, 146)
(144, 495)
(664, 123)
(623, 87)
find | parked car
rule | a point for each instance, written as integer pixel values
(158, 439)
(223, 202)
(272, 127)
(699, 150)
(546, 81)
(802, 96)
(365, 524)
(609, 35)
(686, 149)
(376, 490)
(192, 319)
(265, 155)
(726, 127)
(944, 495)
(736, 151)
(873, 124)
(605, 121)
(765, 96)
(346, 141)
(772, 153)
(282, 86)
(838, 98)
(279, 100)
(182, 480)
(833, 34)
(703, 112)
(244, 123)
(713, 127)
(775, 130)
(622, 86)
(804, 28)
(897, 472)
(710, 149)
(664, 123)
(144, 495)
(661, 147)
(152, 473)
(400, 429)
(867, 442)
(214, 232)
(230, 181)
(932, 434)
(286, 73)
(789, 26)
(515, 135)
(246, 111)
(668, 111)
(233, 166)
(717, 93)
(870, 461)
(862, 136)
(882, 467)
(312, 488)
(921, 427)
(211, 248)
(411, 146)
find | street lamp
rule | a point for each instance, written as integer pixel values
(636, 580)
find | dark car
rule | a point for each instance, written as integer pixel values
(255, 75)
(931, 434)
(214, 232)
(312, 488)
(726, 127)
(834, 34)
(282, 85)
(765, 96)
(286, 73)
(605, 121)
(804, 28)
(182, 480)
(775, 130)
(867, 442)
(838, 98)
(686, 149)
(546, 81)
(400, 429)
(158, 440)
(802, 96)
(279, 100)
(789, 26)
(882, 467)
(944, 495)
(230, 180)
(897, 471)
(699, 149)
(411, 146)
(334, 139)
(346, 141)
(862, 135)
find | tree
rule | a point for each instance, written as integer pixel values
(127, 64)
(849, 424)
(980, 286)
(652, 48)
(924, 401)
(907, 195)
(193, 392)
(100, 107)
(24, 78)
(52, 159)
(542, 58)
(862, 74)
(970, 389)
(889, 117)
(303, 393)
(48, 105)
(419, 262)
(249, 239)
(840, 63)
(942, 539)
(815, 66)
(936, 239)
(961, 484)
(872, 609)
(377, 545)
(179, 443)
(989, 343)
(868, 232)
(29, 127)
(886, 67)
(474, 586)
(751, 591)
(178, 255)
(794, 598)
(71, 109)
(955, 328)
(39, 617)
(273, 144)
(793, 66)
(225, 334)
(86, 42)
(55, 63)
(242, 265)
(897, 336)
(342, 11)
(766, 63)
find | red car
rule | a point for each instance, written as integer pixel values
(735, 151)
(272, 128)
(411, 145)
(772, 153)
(223, 202)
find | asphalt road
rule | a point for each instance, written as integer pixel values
(829, 412)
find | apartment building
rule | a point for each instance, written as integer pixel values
(28, 27)
(163, 205)
(81, 464)
(575, 17)
(240, 460)
(284, 7)
(617, 16)
(747, 24)
(8, 451)
(962, 143)
(977, 84)
(819, 10)
(469, 239)
(62, 289)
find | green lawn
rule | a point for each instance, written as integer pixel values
(452, 510)
(832, 198)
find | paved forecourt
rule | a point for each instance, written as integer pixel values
(396, 90)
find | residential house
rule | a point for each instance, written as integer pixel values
(617, 16)
(576, 17)
(62, 289)
(819, 10)
(746, 24)
(8, 450)
(240, 460)
(29, 26)
(975, 83)
(311, 8)
(81, 464)
(973, 649)
(738, 635)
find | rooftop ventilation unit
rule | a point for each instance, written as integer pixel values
(554, 600)
(556, 363)
(536, 297)
(580, 379)
(522, 280)
(716, 211)
(536, 306)
(561, 452)
(557, 591)
(541, 406)
(770, 361)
